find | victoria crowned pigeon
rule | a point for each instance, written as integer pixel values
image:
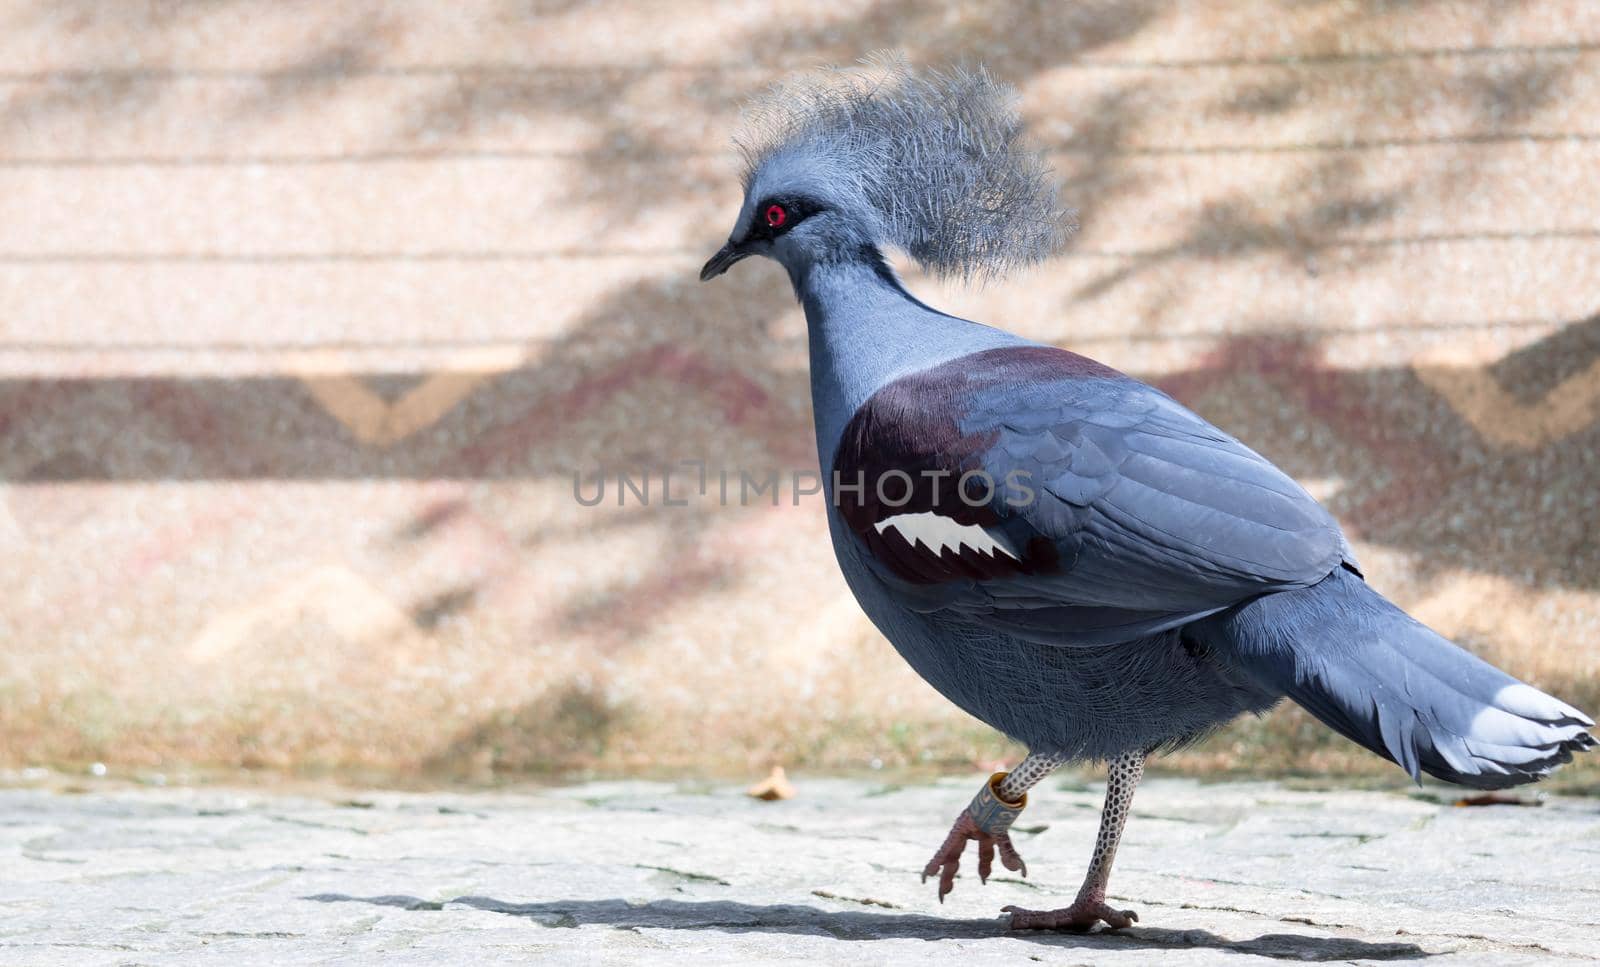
(1064, 552)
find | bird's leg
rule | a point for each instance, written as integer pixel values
(1090, 906)
(988, 820)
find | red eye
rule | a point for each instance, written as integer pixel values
(776, 216)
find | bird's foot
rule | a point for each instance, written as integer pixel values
(1081, 916)
(948, 859)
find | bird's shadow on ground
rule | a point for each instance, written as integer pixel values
(733, 917)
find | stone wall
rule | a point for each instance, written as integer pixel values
(309, 314)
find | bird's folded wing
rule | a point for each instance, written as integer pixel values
(1115, 511)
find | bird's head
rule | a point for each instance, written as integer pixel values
(930, 162)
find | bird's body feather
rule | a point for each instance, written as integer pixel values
(1132, 548)
(897, 402)
(1067, 553)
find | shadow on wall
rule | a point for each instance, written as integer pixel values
(569, 726)
(637, 154)
(1485, 468)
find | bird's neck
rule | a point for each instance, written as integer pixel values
(866, 330)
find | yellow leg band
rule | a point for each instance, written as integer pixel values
(992, 814)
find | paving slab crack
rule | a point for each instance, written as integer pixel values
(313, 824)
(685, 874)
(864, 901)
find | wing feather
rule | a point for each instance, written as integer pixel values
(1143, 516)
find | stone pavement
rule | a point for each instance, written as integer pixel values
(639, 872)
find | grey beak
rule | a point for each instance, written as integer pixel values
(726, 256)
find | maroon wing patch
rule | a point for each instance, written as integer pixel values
(913, 488)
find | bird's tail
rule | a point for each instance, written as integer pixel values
(1382, 679)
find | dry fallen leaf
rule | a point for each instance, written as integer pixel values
(775, 786)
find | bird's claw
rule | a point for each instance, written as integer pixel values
(1081, 916)
(947, 860)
